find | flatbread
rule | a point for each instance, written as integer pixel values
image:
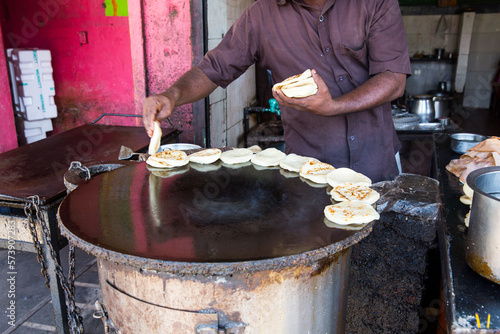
(354, 192)
(316, 171)
(255, 148)
(351, 227)
(269, 157)
(154, 143)
(347, 213)
(293, 162)
(207, 156)
(236, 156)
(300, 85)
(468, 190)
(466, 200)
(168, 159)
(347, 175)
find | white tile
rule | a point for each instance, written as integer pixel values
(486, 43)
(212, 43)
(217, 18)
(459, 82)
(479, 80)
(464, 43)
(453, 23)
(462, 63)
(485, 23)
(411, 41)
(411, 23)
(241, 94)
(467, 22)
(477, 98)
(217, 95)
(218, 124)
(235, 135)
(483, 62)
(451, 43)
(428, 23)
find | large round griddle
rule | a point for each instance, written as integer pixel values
(224, 214)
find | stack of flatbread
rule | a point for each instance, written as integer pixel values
(484, 154)
(352, 190)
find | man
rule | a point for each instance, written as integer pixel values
(357, 50)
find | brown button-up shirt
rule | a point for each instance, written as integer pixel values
(346, 42)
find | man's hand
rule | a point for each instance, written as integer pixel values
(320, 103)
(190, 87)
(156, 107)
(379, 89)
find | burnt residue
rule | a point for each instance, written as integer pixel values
(387, 275)
(480, 266)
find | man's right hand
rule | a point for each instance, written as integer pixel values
(156, 107)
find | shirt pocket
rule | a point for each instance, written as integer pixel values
(355, 59)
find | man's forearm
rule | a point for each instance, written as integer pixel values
(381, 88)
(192, 86)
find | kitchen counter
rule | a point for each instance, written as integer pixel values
(466, 293)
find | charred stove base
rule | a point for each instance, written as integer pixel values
(297, 299)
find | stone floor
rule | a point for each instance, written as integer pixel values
(34, 313)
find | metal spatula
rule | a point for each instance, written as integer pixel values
(126, 153)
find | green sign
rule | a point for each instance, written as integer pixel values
(116, 7)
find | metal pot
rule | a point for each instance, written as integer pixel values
(482, 251)
(442, 106)
(423, 107)
(461, 142)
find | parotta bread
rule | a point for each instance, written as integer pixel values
(168, 159)
(236, 156)
(301, 85)
(207, 156)
(346, 213)
(269, 157)
(315, 171)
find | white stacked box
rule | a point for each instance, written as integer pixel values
(32, 131)
(32, 91)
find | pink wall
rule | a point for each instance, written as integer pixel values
(165, 32)
(90, 78)
(8, 137)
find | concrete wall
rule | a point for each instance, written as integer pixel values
(226, 105)
(92, 77)
(423, 36)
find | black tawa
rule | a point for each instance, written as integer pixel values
(200, 213)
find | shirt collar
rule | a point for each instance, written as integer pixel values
(328, 4)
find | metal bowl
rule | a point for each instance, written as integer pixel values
(461, 142)
(178, 146)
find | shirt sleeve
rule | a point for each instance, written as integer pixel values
(233, 55)
(387, 46)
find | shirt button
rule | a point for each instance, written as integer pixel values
(327, 50)
(354, 165)
(341, 78)
(351, 138)
(321, 18)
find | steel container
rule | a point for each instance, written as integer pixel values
(461, 142)
(423, 107)
(272, 298)
(442, 106)
(483, 238)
